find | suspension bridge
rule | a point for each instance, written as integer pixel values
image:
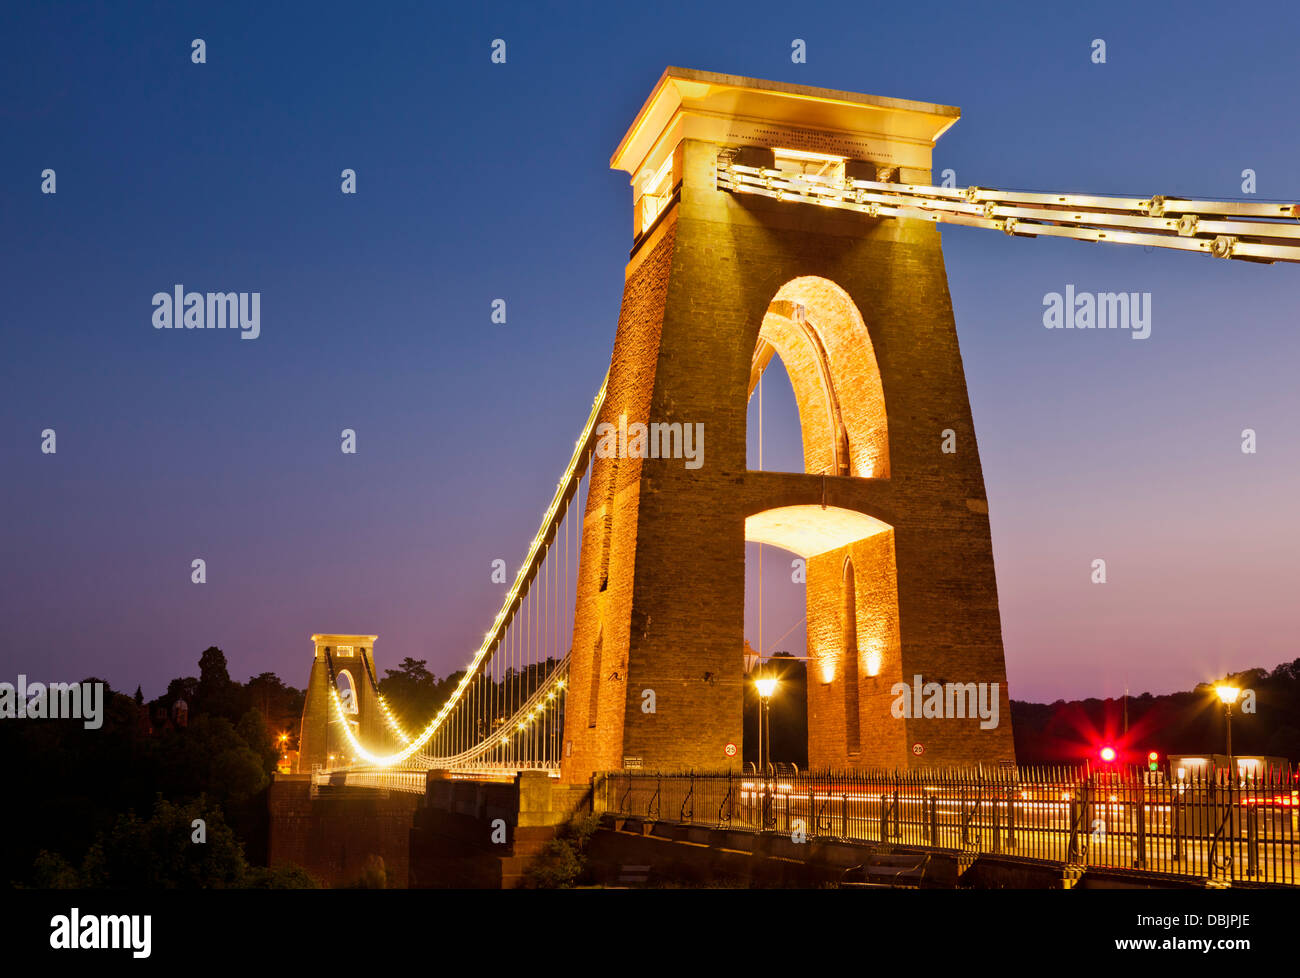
(769, 220)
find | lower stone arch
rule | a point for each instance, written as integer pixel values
(831, 540)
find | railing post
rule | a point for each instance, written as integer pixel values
(897, 833)
(1178, 809)
(961, 807)
(1212, 825)
(1252, 839)
(1141, 815)
(844, 815)
(994, 795)
(1078, 808)
(933, 803)
(1012, 793)
(769, 820)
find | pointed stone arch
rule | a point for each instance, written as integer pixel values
(815, 327)
(349, 694)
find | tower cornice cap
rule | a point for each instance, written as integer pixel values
(336, 639)
(724, 98)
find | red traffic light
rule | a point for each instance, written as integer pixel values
(1108, 754)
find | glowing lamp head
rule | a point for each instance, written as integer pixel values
(1227, 694)
(1108, 754)
(766, 686)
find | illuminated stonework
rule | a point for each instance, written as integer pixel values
(896, 536)
(817, 331)
(321, 742)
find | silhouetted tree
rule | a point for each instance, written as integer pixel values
(216, 694)
(412, 691)
(1175, 723)
(159, 853)
(184, 689)
(279, 705)
(80, 786)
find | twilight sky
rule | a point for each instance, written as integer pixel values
(479, 181)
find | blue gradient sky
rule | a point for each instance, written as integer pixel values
(479, 181)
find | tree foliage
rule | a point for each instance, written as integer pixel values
(1189, 722)
(84, 790)
(563, 861)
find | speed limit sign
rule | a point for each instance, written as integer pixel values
(730, 750)
(918, 748)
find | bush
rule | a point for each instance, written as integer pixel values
(373, 877)
(564, 860)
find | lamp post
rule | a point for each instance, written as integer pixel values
(766, 686)
(765, 683)
(1227, 696)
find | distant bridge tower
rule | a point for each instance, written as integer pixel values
(352, 660)
(894, 529)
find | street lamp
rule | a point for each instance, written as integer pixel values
(766, 686)
(1227, 696)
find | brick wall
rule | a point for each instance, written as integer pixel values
(335, 835)
(671, 618)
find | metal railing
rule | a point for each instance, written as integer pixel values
(1210, 828)
(390, 779)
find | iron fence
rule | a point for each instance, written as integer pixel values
(1206, 827)
(410, 782)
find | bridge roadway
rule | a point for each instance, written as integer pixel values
(1254, 838)
(1193, 840)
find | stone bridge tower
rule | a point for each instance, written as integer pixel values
(352, 658)
(895, 530)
